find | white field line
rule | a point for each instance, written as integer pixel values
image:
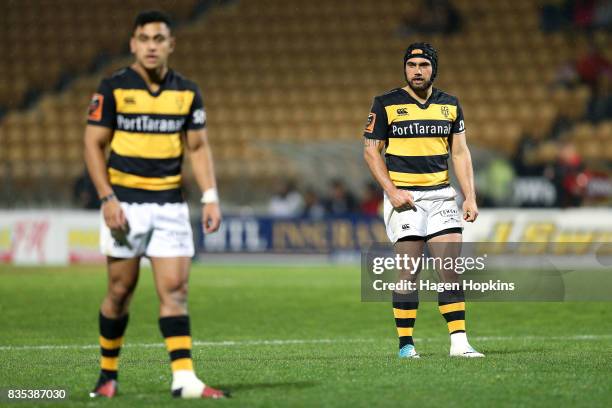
(231, 343)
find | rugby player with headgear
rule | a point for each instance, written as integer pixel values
(421, 127)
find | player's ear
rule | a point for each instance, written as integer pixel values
(172, 43)
(133, 44)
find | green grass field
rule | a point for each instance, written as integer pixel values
(300, 336)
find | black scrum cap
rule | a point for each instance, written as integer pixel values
(422, 50)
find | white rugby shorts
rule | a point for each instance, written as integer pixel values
(436, 211)
(155, 230)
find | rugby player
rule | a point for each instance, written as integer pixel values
(419, 125)
(148, 115)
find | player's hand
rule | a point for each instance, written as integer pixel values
(470, 210)
(113, 215)
(401, 200)
(211, 217)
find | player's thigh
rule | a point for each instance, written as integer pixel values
(171, 235)
(132, 243)
(412, 247)
(171, 275)
(442, 247)
(405, 223)
(123, 275)
(445, 245)
(443, 214)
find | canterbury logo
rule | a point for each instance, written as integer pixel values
(402, 111)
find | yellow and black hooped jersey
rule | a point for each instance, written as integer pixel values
(417, 136)
(144, 165)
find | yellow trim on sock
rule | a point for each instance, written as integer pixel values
(178, 343)
(182, 364)
(456, 325)
(404, 331)
(452, 307)
(404, 314)
(109, 363)
(111, 344)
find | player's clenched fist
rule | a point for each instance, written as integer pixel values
(113, 214)
(470, 210)
(211, 217)
(401, 200)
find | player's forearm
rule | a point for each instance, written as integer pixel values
(462, 163)
(203, 167)
(378, 168)
(96, 166)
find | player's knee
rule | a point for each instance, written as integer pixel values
(176, 292)
(180, 293)
(117, 300)
(119, 293)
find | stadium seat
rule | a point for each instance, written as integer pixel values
(297, 72)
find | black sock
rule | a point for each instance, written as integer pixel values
(452, 307)
(177, 335)
(404, 310)
(111, 340)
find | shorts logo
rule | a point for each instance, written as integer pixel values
(451, 212)
(95, 107)
(402, 111)
(371, 122)
(451, 215)
(405, 227)
(445, 111)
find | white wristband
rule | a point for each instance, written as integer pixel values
(210, 196)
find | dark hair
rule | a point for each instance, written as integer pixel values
(152, 16)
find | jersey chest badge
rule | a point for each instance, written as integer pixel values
(445, 111)
(180, 101)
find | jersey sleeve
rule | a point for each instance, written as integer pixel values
(197, 114)
(102, 109)
(458, 124)
(376, 127)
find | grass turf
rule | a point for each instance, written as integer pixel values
(538, 354)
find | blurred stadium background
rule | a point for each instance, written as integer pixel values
(288, 85)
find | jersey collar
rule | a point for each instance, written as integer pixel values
(162, 85)
(425, 105)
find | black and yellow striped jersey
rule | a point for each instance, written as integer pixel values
(417, 136)
(144, 165)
